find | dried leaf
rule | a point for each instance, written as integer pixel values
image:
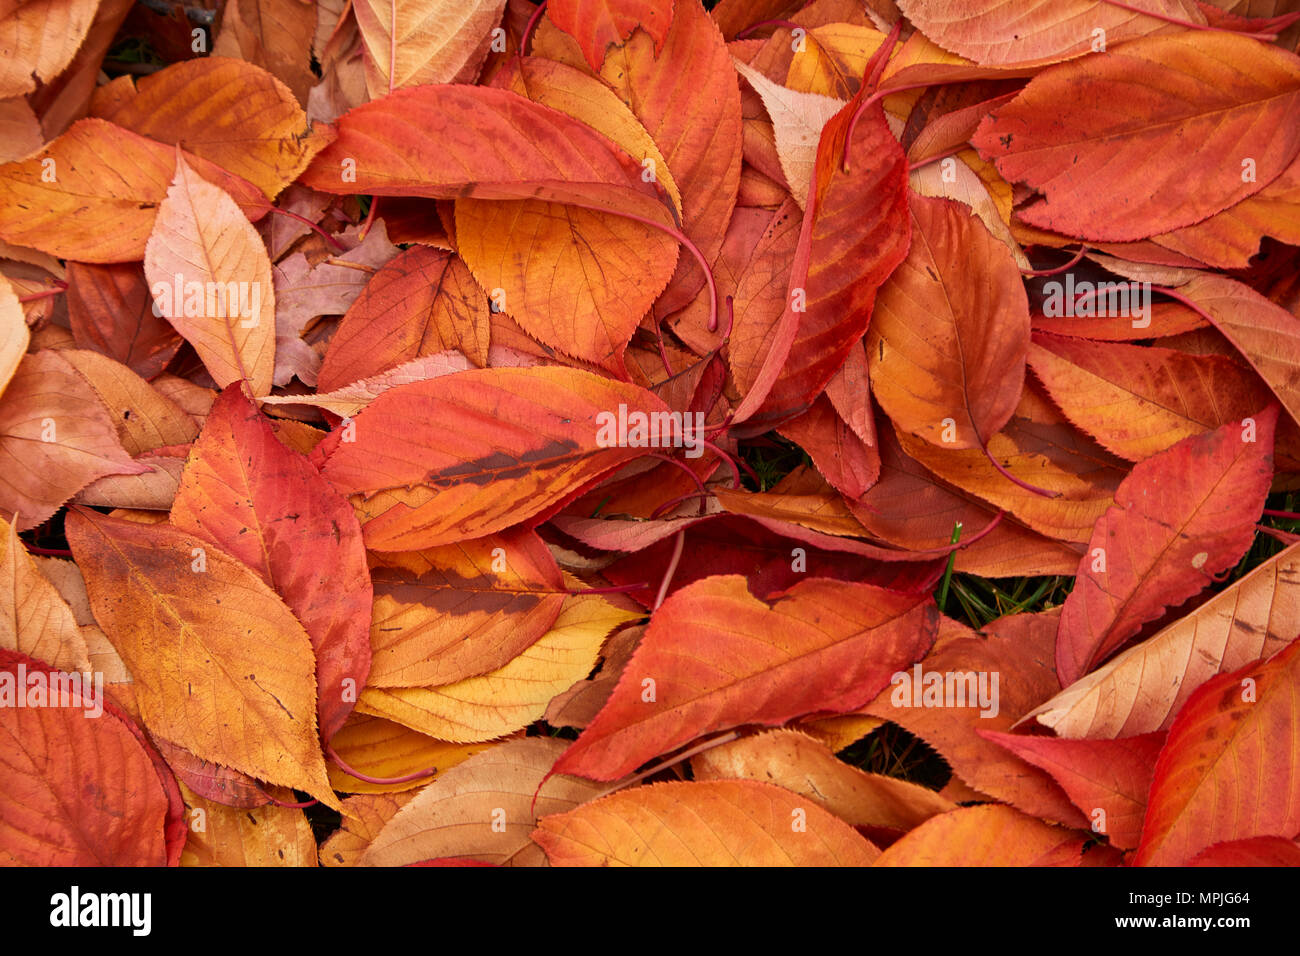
(211, 278)
(715, 823)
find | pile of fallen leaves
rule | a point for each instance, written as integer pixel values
(472, 432)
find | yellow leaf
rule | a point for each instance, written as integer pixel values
(238, 836)
(512, 696)
(34, 618)
(14, 335)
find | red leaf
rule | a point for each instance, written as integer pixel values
(1222, 775)
(79, 788)
(716, 657)
(1107, 779)
(599, 24)
(1179, 518)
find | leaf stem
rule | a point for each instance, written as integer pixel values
(291, 806)
(1167, 18)
(1078, 256)
(788, 24)
(528, 29)
(1013, 479)
(1286, 537)
(45, 293)
(691, 247)
(682, 465)
(875, 68)
(365, 777)
(338, 246)
(731, 462)
(672, 569)
(671, 762)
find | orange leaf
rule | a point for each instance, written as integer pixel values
(384, 750)
(514, 695)
(461, 610)
(34, 618)
(702, 143)
(989, 835)
(363, 817)
(754, 267)
(1052, 457)
(145, 418)
(482, 809)
(998, 33)
(432, 41)
(14, 335)
(856, 231)
(586, 98)
(258, 836)
(429, 141)
(1167, 158)
(1139, 401)
(972, 682)
(475, 452)
(1266, 335)
(420, 303)
(221, 666)
(809, 768)
(1230, 239)
(840, 455)
(1257, 851)
(947, 342)
(274, 34)
(1107, 779)
(599, 24)
(227, 111)
(577, 280)
(40, 39)
(713, 823)
(94, 209)
(111, 311)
